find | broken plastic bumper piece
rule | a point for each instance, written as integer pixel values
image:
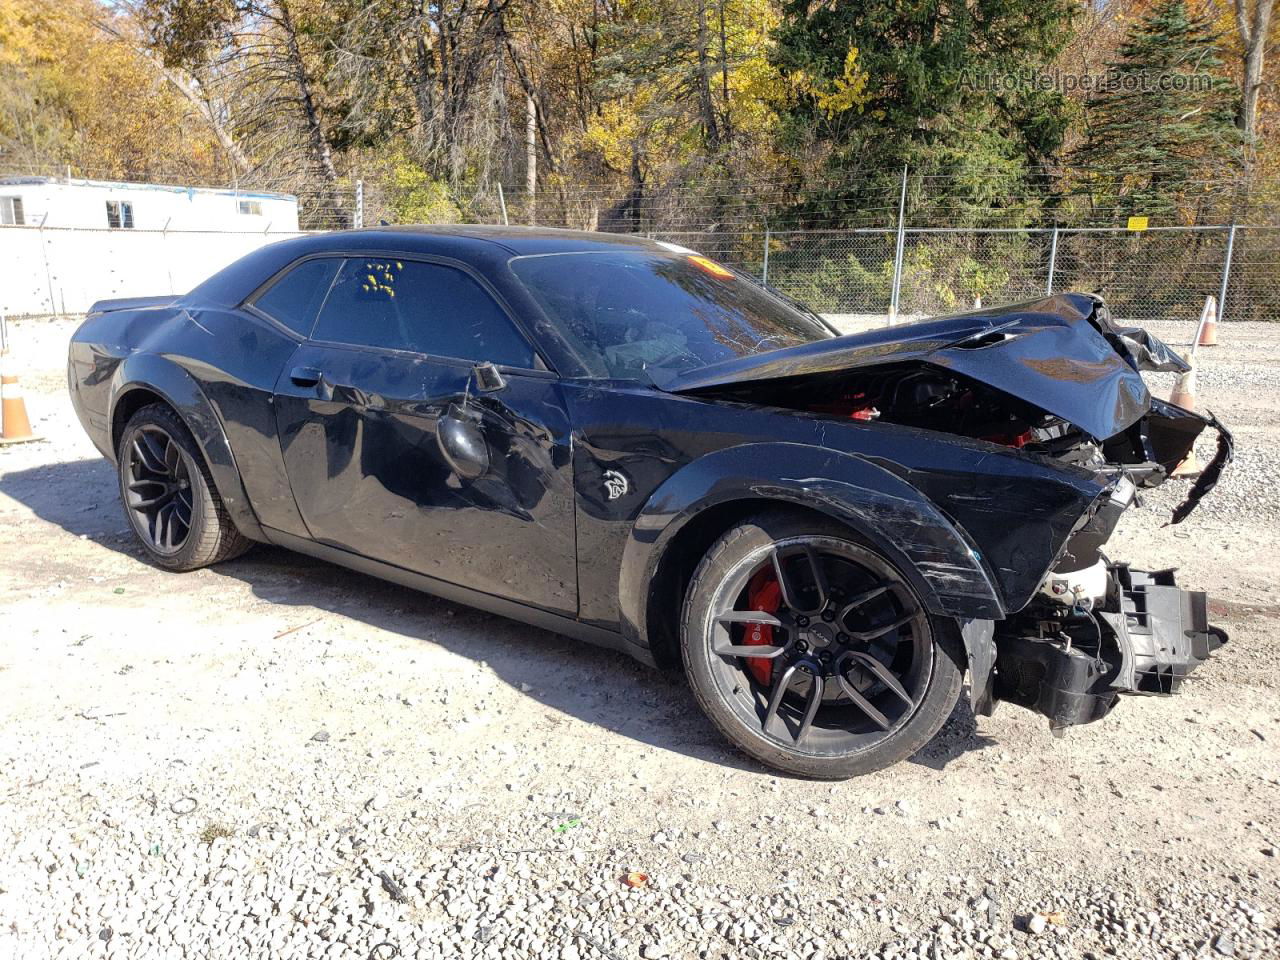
(1163, 632)
(1147, 639)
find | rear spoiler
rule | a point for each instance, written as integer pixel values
(132, 303)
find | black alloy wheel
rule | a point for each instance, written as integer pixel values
(170, 498)
(813, 652)
(158, 489)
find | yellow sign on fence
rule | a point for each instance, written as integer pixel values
(1137, 223)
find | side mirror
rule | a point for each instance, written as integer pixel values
(488, 378)
(462, 442)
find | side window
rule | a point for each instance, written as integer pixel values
(120, 214)
(295, 297)
(11, 211)
(424, 307)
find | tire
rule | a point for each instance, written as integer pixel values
(837, 716)
(158, 460)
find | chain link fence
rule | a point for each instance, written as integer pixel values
(1160, 273)
(924, 267)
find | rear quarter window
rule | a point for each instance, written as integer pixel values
(426, 308)
(295, 298)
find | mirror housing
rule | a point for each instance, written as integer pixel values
(462, 444)
(488, 378)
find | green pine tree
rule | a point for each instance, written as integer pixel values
(1162, 128)
(941, 88)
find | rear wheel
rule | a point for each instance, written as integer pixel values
(168, 495)
(812, 652)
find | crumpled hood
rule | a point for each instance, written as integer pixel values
(1061, 354)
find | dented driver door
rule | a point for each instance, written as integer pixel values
(430, 462)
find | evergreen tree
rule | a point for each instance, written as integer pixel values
(1164, 120)
(950, 90)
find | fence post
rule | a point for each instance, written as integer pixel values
(502, 202)
(1226, 273)
(764, 274)
(1053, 259)
(48, 274)
(168, 254)
(358, 220)
(897, 254)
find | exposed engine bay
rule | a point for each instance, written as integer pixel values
(1095, 629)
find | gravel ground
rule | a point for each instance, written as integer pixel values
(278, 758)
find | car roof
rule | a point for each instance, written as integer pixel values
(519, 240)
(481, 246)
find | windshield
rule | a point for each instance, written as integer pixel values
(650, 315)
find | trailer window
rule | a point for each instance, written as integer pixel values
(11, 211)
(120, 214)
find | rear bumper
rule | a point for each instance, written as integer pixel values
(90, 394)
(1146, 639)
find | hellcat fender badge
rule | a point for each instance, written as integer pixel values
(615, 484)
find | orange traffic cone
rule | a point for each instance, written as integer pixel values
(13, 408)
(1208, 332)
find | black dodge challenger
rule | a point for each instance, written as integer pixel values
(623, 441)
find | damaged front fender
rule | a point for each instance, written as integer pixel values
(943, 565)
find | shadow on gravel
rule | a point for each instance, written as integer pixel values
(958, 736)
(600, 687)
(80, 496)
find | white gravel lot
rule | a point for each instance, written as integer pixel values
(279, 758)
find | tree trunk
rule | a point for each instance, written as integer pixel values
(182, 83)
(635, 204)
(1253, 37)
(705, 102)
(526, 84)
(724, 73)
(185, 84)
(579, 85)
(319, 143)
(424, 85)
(531, 157)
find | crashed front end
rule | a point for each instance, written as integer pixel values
(1058, 380)
(1096, 629)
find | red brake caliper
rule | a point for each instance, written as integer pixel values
(763, 593)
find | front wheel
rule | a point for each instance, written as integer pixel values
(169, 496)
(812, 652)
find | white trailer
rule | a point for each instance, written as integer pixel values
(65, 243)
(107, 205)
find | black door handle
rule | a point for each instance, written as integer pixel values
(305, 376)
